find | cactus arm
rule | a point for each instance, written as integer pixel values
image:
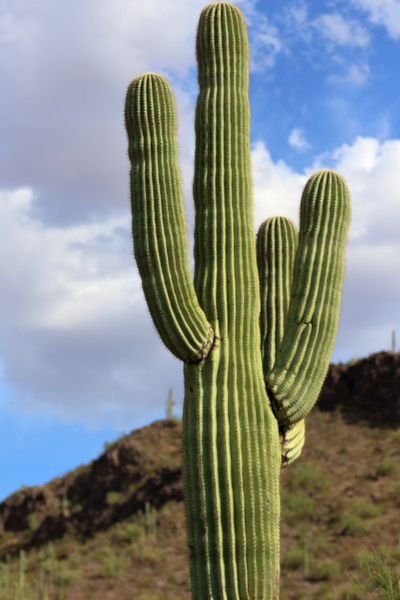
(158, 220)
(292, 442)
(303, 358)
(276, 249)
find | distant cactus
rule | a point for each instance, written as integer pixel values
(169, 412)
(249, 380)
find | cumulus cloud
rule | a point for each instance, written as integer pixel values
(372, 286)
(56, 79)
(277, 188)
(75, 335)
(382, 12)
(370, 308)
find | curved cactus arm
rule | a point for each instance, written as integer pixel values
(277, 241)
(292, 442)
(158, 219)
(303, 358)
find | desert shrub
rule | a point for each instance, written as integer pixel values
(353, 524)
(381, 583)
(365, 509)
(308, 477)
(386, 467)
(396, 553)
(299, 504)
(129, 532)
(114, 497)
(293, 558)
(349, 561)
(67, 575)
(33, 522)
(109, 445)
(323, 570)
(109, 562)
(346, 592)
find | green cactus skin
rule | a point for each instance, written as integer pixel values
(313, 316)
(245, 400)
(276, 245)
(158, 224)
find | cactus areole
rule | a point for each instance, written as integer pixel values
(255, 329)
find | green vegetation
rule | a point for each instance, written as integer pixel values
(250, 380)
(145, 555)
(383, 581)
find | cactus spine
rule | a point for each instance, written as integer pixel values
(249, 381)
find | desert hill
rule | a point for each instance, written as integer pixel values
(115, 528)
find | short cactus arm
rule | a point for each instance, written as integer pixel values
(158, 219)
(277, 241)
(303, 358)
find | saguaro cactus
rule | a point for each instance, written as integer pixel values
(246, 392)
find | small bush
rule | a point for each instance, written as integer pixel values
(299, 504)
(294, 558)
(346, 593)
(308, 477)
(33, 522)
(365, 509)
(114, 498)
(129, 532)
(323, 570)
(109, 563)
(353, 524)
(386, 467)
(382, 582)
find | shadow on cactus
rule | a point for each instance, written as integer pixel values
(255, 329)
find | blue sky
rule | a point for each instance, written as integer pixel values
(80, 359)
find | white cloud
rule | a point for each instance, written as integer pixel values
(355, 75)
(383, 12)
(277, 188)
(57, 77)
(75, 335)
(265, 45)
(297, 140)
(340, 31)
(370, 307)
(76, 338)
(372, 285)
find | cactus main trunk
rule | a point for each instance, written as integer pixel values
(231, 438)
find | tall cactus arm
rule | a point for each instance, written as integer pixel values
(303, 358)
(276, 250)
(158, 219)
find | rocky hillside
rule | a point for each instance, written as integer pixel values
(145, 466)
(366, 389)
(115, 528)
